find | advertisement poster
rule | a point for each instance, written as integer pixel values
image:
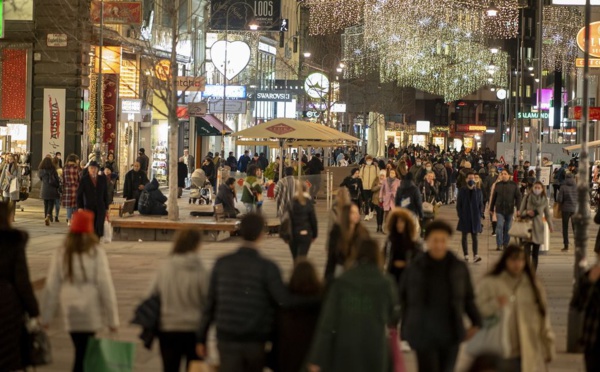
(110, 110)
(54, 121)
(117, 12)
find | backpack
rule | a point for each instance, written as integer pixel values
(285, 228)
(440, 174)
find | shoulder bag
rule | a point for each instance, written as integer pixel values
(428, 208)
(522, 228)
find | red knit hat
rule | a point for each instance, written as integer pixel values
(82, 222)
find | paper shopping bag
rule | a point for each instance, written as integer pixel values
(105, 355)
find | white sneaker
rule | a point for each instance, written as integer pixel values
(404, 346)
(467, 258)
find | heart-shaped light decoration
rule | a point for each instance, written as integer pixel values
(238, 57)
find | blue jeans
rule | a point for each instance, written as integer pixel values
(70, 212)
(56, 207)
(502, 227)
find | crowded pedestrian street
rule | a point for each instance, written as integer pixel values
(133, 265)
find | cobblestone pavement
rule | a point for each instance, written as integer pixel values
(134, 263)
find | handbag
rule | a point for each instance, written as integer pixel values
(522, 229)
(557, 210)
(13, 186)
(398, 363)
(40, 352)
(108, 231)
(147, 315)
(104, 355)
(492, 337)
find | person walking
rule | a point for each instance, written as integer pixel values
(435, 294)
(135, 180)
(297, 323)
(304, 223)
(79, 278)
(243, 162)
(58, 165)
(354, 184)
(409, 197)
(182, 174)
(470, 210)
(16, 292)
(588, 302)
(339, 344)
(92, 195)
(535, 207)
(10, 184)
(190, 162)
(512, 285)
(252, 190)
(402, 245)
(181, 284)
(387, 193)
(313, 171)
(376, 202)
(285, 190)
(505, 198)
(144, 161)
(567, 197)
(245, 289)
(71, 178)
(369, 172)
(344, 238)
(441, 175)
(50, 185)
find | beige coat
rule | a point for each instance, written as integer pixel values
(529, 329)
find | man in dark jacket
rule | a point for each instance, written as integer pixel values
(263, 162)
(135, 180)
(232, 162)
(152, 200)
(567, 197)
(245, 289)
(409, 197)
(92, 194)
(506, 197)
(143, 160)
(313, 170)
(182, 173)
(210, 171)
(470, 209)
(243, 162)
(226, 197)
(435, 294)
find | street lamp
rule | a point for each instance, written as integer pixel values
(306, 54)
(252, 26)
(492, 11)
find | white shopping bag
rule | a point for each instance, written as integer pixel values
(546, 246)
(108, 232)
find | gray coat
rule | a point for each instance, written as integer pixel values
(567, 195)
(539, 204)
(6, 177)
(50, 184)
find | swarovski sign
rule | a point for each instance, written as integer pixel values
(272, 96)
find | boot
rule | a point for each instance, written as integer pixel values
(565, 249)
(47, 221)
(499, 248)
(379, 228)
(56, 219)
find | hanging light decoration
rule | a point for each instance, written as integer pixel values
(561, 25)
(331, 16)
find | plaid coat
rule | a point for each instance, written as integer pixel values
(70, 180)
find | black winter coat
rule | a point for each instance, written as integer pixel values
(409, 197)
(94, 198)
(354, 186)
(226, 197)
(567, 196)
(414, 301)
(304, 218)
(506, 197)
(16, 298)
(314, 166)
(182, 172)
(152, 200)
(133, 180)
(50, 184)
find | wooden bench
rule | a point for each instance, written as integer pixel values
(160, 229)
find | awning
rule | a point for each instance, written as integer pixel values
(209, 125)
(591, 144)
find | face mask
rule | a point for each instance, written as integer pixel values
(471, 183)
(418, 164)
(428, 168)
(369, 162)
(537, 191)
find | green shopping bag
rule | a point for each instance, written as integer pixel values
(105, 355)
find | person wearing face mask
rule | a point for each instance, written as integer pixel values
(535, 206)
(369, 172)
(505, 197)
(417, 169)
(387, 193)
(470, 209)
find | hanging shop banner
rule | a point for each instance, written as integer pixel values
(111, 87)
(270, 96)
(117, 12)
(231, 107)
(54, 121)
(265, 13)
(578, 113)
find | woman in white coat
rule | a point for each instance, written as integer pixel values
(512, 286)
(182, 286)
(79, 278)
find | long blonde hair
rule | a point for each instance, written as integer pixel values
(78, 244)
(300, 190)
